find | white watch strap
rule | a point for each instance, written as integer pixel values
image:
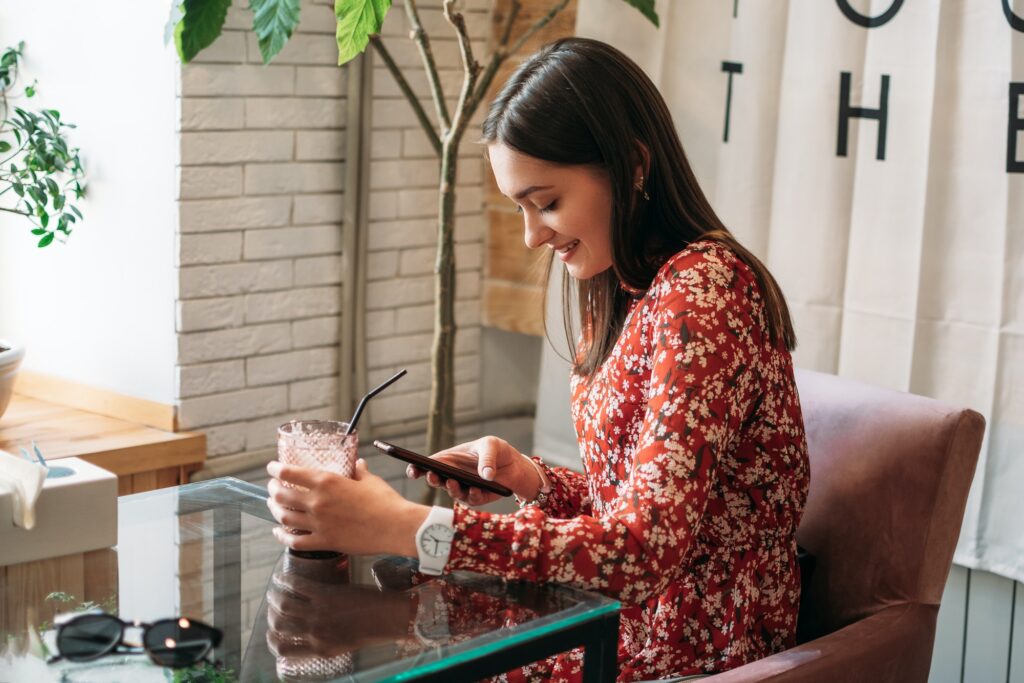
(439, 515)
(430, 564)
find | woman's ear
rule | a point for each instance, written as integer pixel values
(642, 164)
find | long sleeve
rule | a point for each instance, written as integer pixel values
(704, 343)
(569, 496)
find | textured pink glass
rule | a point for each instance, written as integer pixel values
(320, 444)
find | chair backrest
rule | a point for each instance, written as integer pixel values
(890, 473)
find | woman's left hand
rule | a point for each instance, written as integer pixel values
(361, 516)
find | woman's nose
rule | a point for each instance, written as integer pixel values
(536, 233)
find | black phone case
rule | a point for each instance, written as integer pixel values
(442, 470)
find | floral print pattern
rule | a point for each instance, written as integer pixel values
(695, 477)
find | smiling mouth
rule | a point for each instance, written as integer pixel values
(565, 249)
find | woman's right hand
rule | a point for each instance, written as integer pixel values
(493, 459)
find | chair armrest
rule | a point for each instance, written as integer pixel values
(891, 646)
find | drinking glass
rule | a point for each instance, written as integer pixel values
(322, 445)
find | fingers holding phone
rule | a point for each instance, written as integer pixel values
(494, 459)
(470, 495)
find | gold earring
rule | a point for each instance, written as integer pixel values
(639, 186)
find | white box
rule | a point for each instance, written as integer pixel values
(74, 514)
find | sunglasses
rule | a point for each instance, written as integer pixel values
(173, 643)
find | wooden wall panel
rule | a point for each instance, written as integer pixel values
(28, 585)
(508, 258)
(24, 589)
(512, 307)
(169, 476)
(513, 282)
(124, 485)
(101, 574)
(143, 481)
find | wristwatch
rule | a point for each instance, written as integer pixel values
(434, 540)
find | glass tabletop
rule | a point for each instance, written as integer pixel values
(205, 551)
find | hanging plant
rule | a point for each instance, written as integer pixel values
(40, 173)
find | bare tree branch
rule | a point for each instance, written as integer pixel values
(406, 89)
(458, 22)
(510, 20)
(498, 56)
(464, 110)
(429, 65)
(538, 25)
(484, 84)
(502, 52)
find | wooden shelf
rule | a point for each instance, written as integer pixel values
(144, 458)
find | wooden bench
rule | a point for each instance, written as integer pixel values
(143, 458)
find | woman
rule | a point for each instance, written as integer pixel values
(684, 401)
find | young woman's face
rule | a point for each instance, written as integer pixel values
(566, 208)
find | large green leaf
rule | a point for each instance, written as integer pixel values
(646, 8)
(200, 26)
(273, 21)
(357, 21)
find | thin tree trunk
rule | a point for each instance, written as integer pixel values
(441, 419)
(477, 80)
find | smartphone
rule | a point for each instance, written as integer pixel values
(441, 469)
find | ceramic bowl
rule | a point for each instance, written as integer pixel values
(10, 358)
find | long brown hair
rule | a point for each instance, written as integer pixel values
(581, 101)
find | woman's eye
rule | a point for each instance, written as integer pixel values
(543, 209)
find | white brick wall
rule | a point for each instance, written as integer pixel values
(219, 247)
(315, 332)
(259, 250)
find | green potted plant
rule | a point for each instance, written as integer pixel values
(40, 175)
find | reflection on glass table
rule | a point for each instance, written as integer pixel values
(205, 551)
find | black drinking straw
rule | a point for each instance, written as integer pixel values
(369, 395)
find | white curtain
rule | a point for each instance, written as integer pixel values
(872, 153)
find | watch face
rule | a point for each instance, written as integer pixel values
(436, 540)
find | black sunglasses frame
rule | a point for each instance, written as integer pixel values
(120, 647)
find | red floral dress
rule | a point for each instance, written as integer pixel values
(695, 476)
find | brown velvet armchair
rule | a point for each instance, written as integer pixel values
(890, 474)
